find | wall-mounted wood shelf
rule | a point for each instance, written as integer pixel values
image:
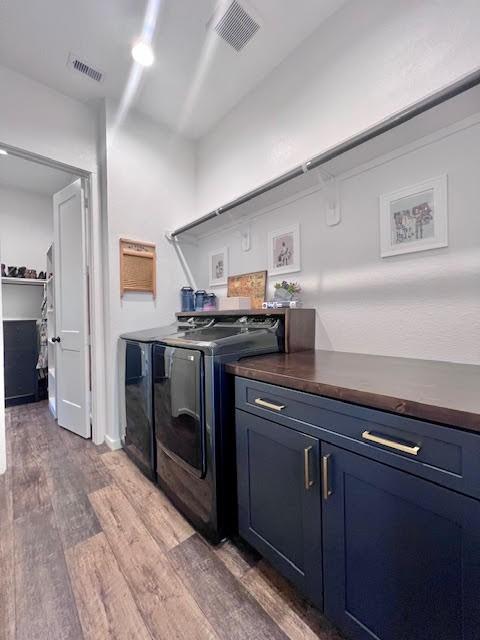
(299, 324)
(34, 281)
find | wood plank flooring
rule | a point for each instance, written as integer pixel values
(92, 550)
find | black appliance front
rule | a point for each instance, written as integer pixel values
(178, 401)
(139, 442)
(180, 432)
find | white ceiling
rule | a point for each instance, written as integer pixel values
(17, 173)
(196, 79)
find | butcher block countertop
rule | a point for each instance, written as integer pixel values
(442, 392)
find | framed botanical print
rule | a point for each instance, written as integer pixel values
(414, 218)
(284, 250)
(218, 267)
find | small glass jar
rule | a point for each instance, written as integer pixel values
(210, 303)
(200, 296)
(187, 299)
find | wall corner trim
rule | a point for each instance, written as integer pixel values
(113, 443)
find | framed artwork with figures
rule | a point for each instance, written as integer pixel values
(284, 250)
(218, 267)
(414, 218)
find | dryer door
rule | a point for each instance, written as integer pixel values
(178, 405)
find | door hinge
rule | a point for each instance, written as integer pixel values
(86, 200)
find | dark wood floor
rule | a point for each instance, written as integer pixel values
(91, 549)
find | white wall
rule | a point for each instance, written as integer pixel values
(150, 181)
(367, 61)
(42, 121)
(26, 228)
(421, 305)
(26, 232)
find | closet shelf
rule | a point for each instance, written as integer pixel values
(7, 280)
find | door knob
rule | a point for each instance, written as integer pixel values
(57, 339)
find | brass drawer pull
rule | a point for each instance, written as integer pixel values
(398, 446)
(269, 405)
(326, 490)
(306, 468)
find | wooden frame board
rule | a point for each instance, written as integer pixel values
(138, 267)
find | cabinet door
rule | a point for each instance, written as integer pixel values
(279, 499)
(20, 361)
(401, 555)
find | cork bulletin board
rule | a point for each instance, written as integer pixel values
(138, 267)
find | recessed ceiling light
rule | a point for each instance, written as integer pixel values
(3, 152)
(143, 54)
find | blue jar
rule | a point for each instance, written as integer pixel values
(187, 299)
(200, 297)
(210, 302)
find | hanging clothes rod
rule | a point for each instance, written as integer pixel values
(460, 86)
(268, 186)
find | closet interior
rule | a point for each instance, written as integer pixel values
(27, 246)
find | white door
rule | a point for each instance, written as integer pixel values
(70, 280)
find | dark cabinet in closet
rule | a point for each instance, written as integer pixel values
(20, 361)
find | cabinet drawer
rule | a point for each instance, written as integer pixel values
(444, 455)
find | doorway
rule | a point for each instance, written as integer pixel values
(45, 318)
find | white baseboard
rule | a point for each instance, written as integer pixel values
(113, 443)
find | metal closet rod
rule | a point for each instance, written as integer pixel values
(464, 84)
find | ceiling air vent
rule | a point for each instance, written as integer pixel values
(82, 67)
(236, 26)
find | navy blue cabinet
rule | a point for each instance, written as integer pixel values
(279, 499)
(382, 531)
(20, 361)
(401, 555)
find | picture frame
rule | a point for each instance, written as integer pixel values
(414, 218)
(249, 285)
(284, 250)
(218, 268)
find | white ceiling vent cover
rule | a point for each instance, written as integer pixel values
(75, 63)
(236, 26)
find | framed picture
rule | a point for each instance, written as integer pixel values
(414, 218)
(249, 285)
(218, 267)
(284, 250)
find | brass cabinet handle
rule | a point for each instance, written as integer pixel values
(269, 405)
(326, 490)
(306, 468)
(386, 442)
